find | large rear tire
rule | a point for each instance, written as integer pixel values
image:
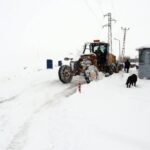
(64, 74)
(91, 74)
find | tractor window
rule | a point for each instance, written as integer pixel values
(100, 48)
(87, 49)
(101, 51)
(96, 48)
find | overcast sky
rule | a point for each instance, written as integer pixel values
(33, 30)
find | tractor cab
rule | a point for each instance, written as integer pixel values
(100, 49)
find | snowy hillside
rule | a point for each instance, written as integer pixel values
(39, 112)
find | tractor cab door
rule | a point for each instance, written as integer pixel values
(101, 51)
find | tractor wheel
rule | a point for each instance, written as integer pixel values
(110, 70)
(91, 74)
(64, 74)
(87, 79)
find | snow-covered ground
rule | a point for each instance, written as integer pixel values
(38, 112)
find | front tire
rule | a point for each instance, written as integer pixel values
(91, 74)
(64, 74)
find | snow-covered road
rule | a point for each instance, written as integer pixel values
(105, 115)
(21, 100)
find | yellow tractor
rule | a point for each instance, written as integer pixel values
(95, 58)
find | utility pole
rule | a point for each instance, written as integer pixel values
(124, 41)
(109, 25)
(119, 48)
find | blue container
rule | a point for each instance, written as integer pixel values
(59, 63)
(49, 64)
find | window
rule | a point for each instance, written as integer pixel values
(102, 48)
(147, 57)
(141, 57)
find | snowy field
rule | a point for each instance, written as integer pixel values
(38, 112)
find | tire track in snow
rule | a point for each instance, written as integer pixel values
(20, 137)
(18, 103)
(3, 100)
(26, 89)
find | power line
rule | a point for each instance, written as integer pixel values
(96, 14)
(100, 5)
(87, 4)
(109, 25)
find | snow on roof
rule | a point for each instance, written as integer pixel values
(143, 48)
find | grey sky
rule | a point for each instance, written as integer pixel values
(33, 30)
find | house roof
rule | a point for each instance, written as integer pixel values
(143, 48)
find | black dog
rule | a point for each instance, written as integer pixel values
(131, 80)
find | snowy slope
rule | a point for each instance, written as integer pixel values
(105, 115)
